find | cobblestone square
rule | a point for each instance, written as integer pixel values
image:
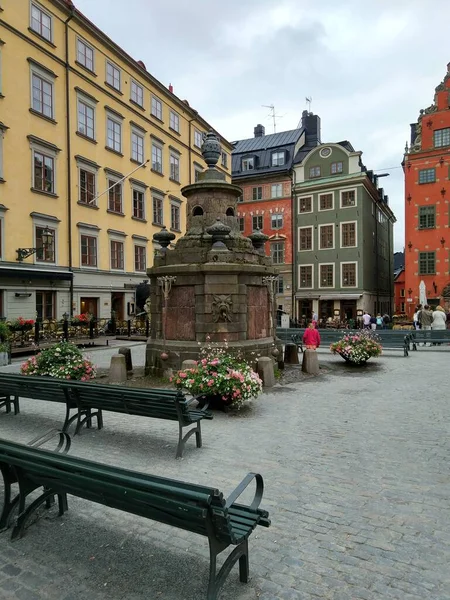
(357, 484)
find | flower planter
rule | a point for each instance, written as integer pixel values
(352, 362)
(4, 359)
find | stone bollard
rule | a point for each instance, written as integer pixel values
(291, 354)
(127, 353)
(118, 369)
(266, 371)
(188, 364)
(310, 362)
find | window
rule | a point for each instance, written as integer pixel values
(116, 255)
(88, 251)
(174, 121)
(43, 173)
(174, 167)
(224, 160)
(276, 221)
(86, 116)
(257, 193)
(326, 202)
(257, 222)
(248, 164)
(157, 158)
(314, 172)
(140, 258)
(42, 95)
(305, 280)
(326, 276)
(157, 210)
(241, 224)
(157, 108)
(197, 173)
(138, 204)
(277, 159)
(114, 196)
(87, 188)
(41, 22)
(402, 307)
(348, 235)
(348, 198)
(112, 75)
(175, 216)
(402, 293)
(198, 138)
(46, 254)
(277, 252)
(427, 263)
(45, 306)
(137, 147)
(277, 190)
(427, 217)
(441, 137)
(2, 133)
(305, 205)
(85, 55)
(305, 237)
(348, 274)
(114, 135)
(279, 285)
(326, 236)
(337, 167)
(427, 175)
(137, 93)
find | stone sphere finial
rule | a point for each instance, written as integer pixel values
(211, 149)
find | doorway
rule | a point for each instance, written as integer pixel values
(304, 311)
(326, 309)
(89, 305)
(348, 310)
(117, 305)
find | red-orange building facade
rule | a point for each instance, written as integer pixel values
(399, 293)
(427, 196)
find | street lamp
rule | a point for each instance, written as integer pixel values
(47, 241)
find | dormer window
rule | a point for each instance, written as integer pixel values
(248, 164)
(278, 159)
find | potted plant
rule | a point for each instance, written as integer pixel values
(21, 324)
(357, 347)
(63, 360)
(80, 320)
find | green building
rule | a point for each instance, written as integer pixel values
(343, 236)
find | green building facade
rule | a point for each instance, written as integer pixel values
(343, 236)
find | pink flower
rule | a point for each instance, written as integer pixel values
(182, 375)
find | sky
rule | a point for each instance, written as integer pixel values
(369, 66)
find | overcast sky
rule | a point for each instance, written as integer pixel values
(368, 66)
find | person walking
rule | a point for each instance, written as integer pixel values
(386, 320)
(426, 319)
(416, 317)
(373, 323)
(379, 321)
(439, 319)
(366, 320)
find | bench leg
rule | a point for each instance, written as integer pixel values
(182, 440)
(244, 565)
(216, 580)
(16, 405)
(8, 504)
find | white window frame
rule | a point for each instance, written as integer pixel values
(174, 121)
(341, 192)
(300, 287)
(116, 121)
(138, 188)
(258, 217)
(43, 223)
(197, 171)
(307, 212)
(224, 160)
(160, 148)
(41, 149)
(319, 247)
(276, 216)
(83, 42)
(312, 238)
(327, 264)
(356, 233)
(156, 196)
(92, 105)
(144, 246)
(93, 233)
(176, 157)
(115, 68)
(112, 237)
(278, 186)
(139, 87)
(332, 203)
(272, 244)
(110, 181)
(177, 204)
(156, 103)
(2, 135)
(349, 262)
(278, 155)
(198, 134)
(248, 161)
(38, 7)
(83, 166)
(47, 78)
(138, 133)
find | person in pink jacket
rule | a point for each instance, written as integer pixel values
(311, 337)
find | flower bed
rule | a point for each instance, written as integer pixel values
(21, 324)
(63, 360)
(357, 347)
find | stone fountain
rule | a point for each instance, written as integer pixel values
(215, 284)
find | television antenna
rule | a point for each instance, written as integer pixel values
(308, 102)
(273, 115)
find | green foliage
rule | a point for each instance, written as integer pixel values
(63, 360)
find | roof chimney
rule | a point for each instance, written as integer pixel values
(170, 88)
(259, 130)
(311, 123)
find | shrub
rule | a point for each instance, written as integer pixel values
(63, 360)
(357, 347)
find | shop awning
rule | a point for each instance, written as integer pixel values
(340, 296)
(24, 273)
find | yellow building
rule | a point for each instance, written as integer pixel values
(93, 154)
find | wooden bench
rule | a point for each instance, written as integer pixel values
(430, 336)
(195, 508)
(85, 401)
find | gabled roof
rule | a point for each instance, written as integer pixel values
(265, 142)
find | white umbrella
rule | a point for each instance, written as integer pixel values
(422, 293)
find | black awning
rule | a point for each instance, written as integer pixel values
(21, 273)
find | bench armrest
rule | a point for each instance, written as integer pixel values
(243, 485)
(64, 440)
(205, 404)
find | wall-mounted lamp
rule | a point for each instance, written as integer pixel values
(410, 246)
(443, 192)
(409, 198)
(47, 241)
(410, 291)
(442, 241)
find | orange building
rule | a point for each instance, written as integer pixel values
(427, 196)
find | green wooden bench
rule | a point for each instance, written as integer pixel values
(430, 336)
(85, 401)
(195, 508)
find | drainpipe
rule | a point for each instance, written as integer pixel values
(377, 281)
(390, 268)
(68, 150)
(294, 249)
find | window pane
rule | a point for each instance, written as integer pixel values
(326, 275)
(137, 147)
(277, 252)
(138, 204)
(427, 175)
(305, 205)
(156, 108)
(137, 93)
(305, 277)
(116, 255)
(85, 119)
(348, 234)
(326, 236)
(442, 137)
(157, 159)
(306, 238)
(348, 198)
(157, 211)
(87, 187)
(257, 222)
(88, 251)
(427, 217)
(114, 196)
(348, 275)
(47, 253)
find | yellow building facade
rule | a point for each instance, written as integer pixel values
(93, 154)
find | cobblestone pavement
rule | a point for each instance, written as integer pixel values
(357, 483)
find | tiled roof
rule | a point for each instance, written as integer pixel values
(267, 141)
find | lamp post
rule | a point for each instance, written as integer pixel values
(47, 238)
(165, 282)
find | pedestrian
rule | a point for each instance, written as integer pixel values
(311, 337)
(386, 320)
(315, 317)
(373, 323)
(426, 319)
(416, 317)
(439, 319)
(366, 320)
(379, 321)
